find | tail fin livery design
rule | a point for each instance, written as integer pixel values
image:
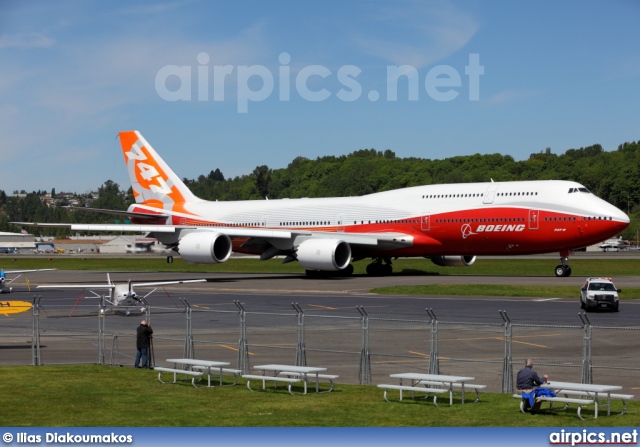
(153, 182)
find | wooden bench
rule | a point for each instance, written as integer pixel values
(467, 386)
(623, 397)
(194, 374)
(330, 377)
(402, 388)
(551, 400)
(273, 379)
(235, 372)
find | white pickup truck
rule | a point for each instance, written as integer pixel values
(599, 293)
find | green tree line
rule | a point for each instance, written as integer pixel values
(614, 176)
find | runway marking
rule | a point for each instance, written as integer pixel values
(546, 299)
(530, 344)
(322, 307)
(501, 339)
(234, 349)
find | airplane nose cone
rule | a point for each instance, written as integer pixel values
(620, 216)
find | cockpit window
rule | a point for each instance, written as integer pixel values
(572, 190)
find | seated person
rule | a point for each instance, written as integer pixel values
(526, 381)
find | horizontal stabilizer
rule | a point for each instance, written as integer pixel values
(121, 213)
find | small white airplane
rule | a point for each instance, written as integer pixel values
(450, 224)
(613, 244)
(4, 281)
(120, 295)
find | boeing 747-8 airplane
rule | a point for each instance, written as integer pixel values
(450, 224)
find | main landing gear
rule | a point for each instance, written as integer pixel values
(380, 267)
(564, 269)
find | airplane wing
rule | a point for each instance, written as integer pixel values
(8, 272)
(165, 283)
(76, 286)
(111, 286)
(383, 240)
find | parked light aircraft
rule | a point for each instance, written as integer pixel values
(614, 244)
(120, 295)
(4, 281)
(450, 224)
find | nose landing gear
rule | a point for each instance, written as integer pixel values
(564, 269)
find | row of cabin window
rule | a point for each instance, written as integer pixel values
(449, 196)
(554, 219)
(290, 224)
(483, 220)
(455, 196)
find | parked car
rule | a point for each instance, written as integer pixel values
(599, 293)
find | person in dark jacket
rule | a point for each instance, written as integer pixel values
(143, 342)
(527, 380)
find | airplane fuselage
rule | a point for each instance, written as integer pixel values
(452, 219)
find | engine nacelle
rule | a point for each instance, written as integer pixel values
(324, 254)
(205, 247)
(453, 261)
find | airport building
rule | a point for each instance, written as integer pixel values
(17, 243)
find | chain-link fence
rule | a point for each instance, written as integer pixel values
(360, 349)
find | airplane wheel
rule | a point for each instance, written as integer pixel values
(375, 269)
(387, 270)
(567, 271)
(560, 271)
(347, 271)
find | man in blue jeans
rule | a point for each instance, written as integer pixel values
(143, 341)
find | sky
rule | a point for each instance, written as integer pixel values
(235, 85)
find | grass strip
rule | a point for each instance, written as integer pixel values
(495, 290)
(95, 395)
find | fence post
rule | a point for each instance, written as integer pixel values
(365, 356)
(35, 336)
(189, 351)
(301, 352)
(243, 357)
(586, 349)
(434, 363)
(507, 364)
(101, 330)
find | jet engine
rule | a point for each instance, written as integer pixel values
(204, 247)
(324, 254)
(453, 261)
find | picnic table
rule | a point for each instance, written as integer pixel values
(295, 373)
(443, 379)
(587, 389)
(211, 367)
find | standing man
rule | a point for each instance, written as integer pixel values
(526, 381)
(143, 341)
